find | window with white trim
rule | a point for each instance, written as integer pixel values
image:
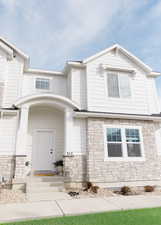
(42, 83)
(118, 85)
(123, 142)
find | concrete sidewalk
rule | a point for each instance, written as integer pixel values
(23, 211)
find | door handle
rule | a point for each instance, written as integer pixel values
(51, 151)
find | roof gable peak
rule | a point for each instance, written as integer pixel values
(124, 51)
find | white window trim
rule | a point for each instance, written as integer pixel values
(124, 146)
(120, 97)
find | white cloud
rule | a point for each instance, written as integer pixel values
(31, 25)
(57, 30)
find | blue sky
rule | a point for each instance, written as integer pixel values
(53, 31)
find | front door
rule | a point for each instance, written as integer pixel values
(43, 150)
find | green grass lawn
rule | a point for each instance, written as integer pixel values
(130, 217)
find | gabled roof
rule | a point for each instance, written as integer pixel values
(4, 43)
(125, 52)
(10, 49)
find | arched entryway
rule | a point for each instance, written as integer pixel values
(45, 141)
(45, 130)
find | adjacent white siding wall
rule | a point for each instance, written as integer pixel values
(13, 81)
(143, 98)
(153, 99)
(78, 87)
(79, 136)
(58, 84)
(41, 117)
(3, 73)
(8, 126)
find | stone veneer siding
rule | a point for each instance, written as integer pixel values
(75, 168)
(12, 167)
(20, 168)
(101, 171)
(6, 167)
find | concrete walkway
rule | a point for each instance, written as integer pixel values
(23, 211)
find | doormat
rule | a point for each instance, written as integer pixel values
(45, 174)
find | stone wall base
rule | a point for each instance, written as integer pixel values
(117, 185)
(20, 167)
(6, 168)
(75, 168)
(114, 185)
(12, 167)
(19, 184)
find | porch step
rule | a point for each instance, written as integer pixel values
(45, 188)
(45, 184)
(45, 179)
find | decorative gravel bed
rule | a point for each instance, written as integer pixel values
(105, 192)
(12, 196)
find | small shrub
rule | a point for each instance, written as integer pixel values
(149, 188)
(94, 189)
(88, 185)
(125, 190)
(58, 163)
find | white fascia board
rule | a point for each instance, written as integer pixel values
(13, 47)
(47, 72)
(7, 50)
(70, 65)
(115, 116)
(77, 64)
(154, 74)
(135, 59)
(99, 53)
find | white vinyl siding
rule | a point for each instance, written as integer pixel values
(118, 85)
(123, 143)
(58, 84)
(1, 93)
(8, 126)
(142, 99)
(79, 136)
(78, 87)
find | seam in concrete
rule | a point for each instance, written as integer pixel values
(60, 208)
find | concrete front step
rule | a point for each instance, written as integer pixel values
(45, 188)
(35, 197)
(45, 184)
(45, 179)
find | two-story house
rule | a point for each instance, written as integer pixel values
(100, 115)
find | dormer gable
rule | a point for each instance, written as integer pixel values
(116, 51)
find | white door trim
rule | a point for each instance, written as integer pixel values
(53, 130)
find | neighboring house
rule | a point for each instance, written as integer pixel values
(100, 115)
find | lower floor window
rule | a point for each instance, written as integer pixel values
(123, 142)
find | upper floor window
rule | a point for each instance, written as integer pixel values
(42, 83)
(118, 85)
(123, 143)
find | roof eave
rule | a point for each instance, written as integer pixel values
(116, 116)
